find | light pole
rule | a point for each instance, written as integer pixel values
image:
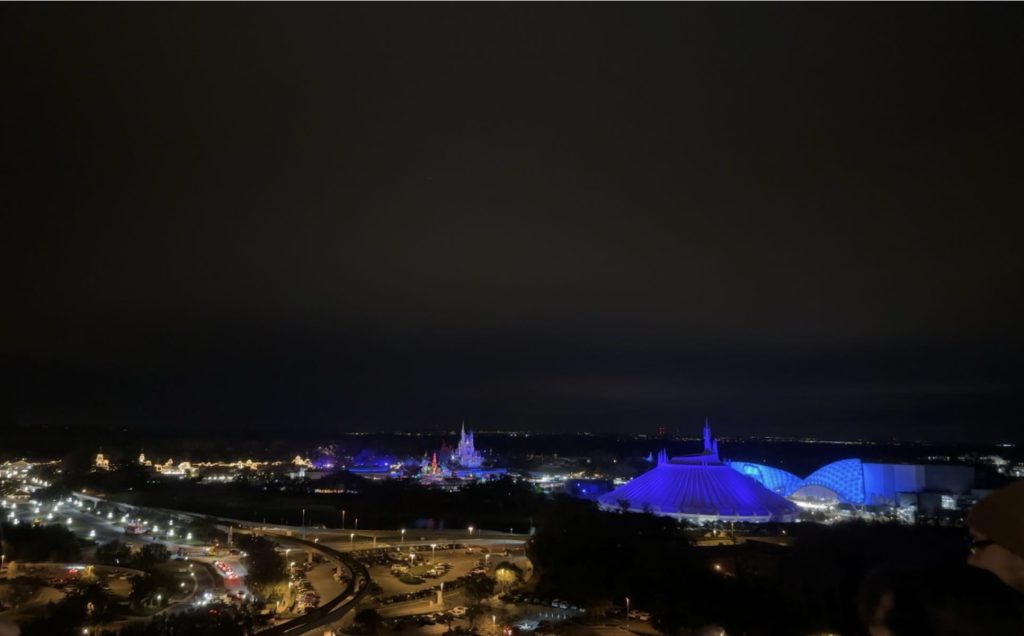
(627, 613)
(470, 530)
(432, 547)
(403, 536)
(357, 523)
(342, 519)
(303, 517)
(351, 540)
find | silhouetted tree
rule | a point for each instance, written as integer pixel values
(265, 567)
(114, 553)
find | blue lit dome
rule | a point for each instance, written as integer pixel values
(845, 478)
(778, 481)
(700, 488)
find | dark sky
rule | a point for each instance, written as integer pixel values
(792, 218)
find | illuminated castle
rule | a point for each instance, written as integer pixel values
(699, 488)
(465, 454)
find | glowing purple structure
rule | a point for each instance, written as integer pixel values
(699, 488)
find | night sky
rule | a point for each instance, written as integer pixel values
(801, 218)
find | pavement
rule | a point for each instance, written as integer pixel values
(321, 577)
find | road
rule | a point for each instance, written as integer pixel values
(329, 612)
(334, 545)
(86, 523)
(335, 609)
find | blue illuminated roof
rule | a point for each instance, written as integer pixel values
(778, 481)
(844, 477)
(697, 487)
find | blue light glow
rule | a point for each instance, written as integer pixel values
(701, 491)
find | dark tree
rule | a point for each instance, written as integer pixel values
(265, 566)
(52, 542)
(146, 587)
(151, 555)
(114, 553)
(22, 589)
(478, 588)
(367, 621)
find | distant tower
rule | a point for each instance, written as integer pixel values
(710, 443)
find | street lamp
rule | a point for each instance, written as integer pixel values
(627, 613)
(470, 530)
(342, 519)
(403, 536)
(303, 517)
(351, 540)
(432, 547)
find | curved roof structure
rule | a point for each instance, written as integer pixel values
(699, 488)
(844, 477)
(780, 482)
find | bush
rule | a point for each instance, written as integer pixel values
(411, 579)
